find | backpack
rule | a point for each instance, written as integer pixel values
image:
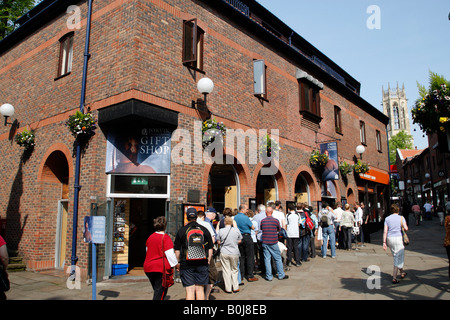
(195, 240)
(324, 221)
(309, 223)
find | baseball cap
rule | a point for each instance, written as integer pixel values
(191, 213)
(211, 209)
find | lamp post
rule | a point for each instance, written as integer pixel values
(360, 150)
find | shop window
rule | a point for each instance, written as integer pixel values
(309, 101)
(65, 55)
(259, 79)
(337, 119)
(362, 132)
(193, 45)
(379, 141)
(142, 186)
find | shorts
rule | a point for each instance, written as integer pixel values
(195, 275)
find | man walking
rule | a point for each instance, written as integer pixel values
(246, 248)
(193, 249)
(270, 228)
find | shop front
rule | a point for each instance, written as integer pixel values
(138, 168)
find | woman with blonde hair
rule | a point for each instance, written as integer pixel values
(392, 238)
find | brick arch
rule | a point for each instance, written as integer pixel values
(241, 168)
(43, 174)
(280, 177)
(308, 174)
(352, 198)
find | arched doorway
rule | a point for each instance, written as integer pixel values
(54, 181)
(301, 190)
(266, 189)
(350, 197)
(223, 187)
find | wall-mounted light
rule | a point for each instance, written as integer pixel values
(360, 150)
(427, 175)
(205, 86)
(7, 111)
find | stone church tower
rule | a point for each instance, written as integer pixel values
(395, 106)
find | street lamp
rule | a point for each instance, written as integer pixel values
(7, 111)
(360, 150)
(205, 86)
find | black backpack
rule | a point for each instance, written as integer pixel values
(324, 221)
(195, 242)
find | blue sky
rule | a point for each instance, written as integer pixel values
(413, 38)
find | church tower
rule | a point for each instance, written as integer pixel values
(395, 106)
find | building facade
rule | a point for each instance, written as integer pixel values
(395, 106)
(146, 158)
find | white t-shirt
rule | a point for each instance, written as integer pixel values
(293, 219)
(338, 212)
(427, 207)
(280, 217)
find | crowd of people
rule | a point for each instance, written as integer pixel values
(266, 241)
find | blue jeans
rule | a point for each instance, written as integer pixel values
(328, 232)
(303, 247)
(269, 251)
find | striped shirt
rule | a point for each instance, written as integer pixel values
(270, 227)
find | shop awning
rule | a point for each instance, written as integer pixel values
(376, 175)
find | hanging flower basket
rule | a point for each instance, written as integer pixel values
(25, 139)
(361, 167)
(345, 168)
(269, 147)
(212, 130)
(318, 160)
(430, 111)
(82, 124)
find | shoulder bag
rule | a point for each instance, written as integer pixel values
(404, 235)
(167, 276)
(217, 252)
(4, 281)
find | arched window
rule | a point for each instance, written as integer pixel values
(396, 118)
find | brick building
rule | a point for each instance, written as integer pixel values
(146, 58)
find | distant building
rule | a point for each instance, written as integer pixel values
(395, 106)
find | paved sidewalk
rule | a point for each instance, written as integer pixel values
(343, 278)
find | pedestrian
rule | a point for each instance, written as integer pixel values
(406, 210)
(365, 234)
(279, 214)
(229, 239)
(392, 238)
(326, 219)
(447, 238)
(359, 223)
(337, 222)
(346, 226)
(260, 256)
(193, 248)
(247, 263)
(213, 274)
(416, 211)
(270, 228)
(312, 242)
(227, 212)
(440, 213)
(4, 259)
(305, 234)
(428, 207)
(292, 242)
(160, 258)
(254, 232)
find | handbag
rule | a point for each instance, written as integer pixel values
(405, 237)
(4, 281)
(217, 252)
(167, 276)
(355, 230)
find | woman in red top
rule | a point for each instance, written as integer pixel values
(157, 257)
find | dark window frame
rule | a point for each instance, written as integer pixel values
(379, 145)
(337, 120)
(193, 45)
(309, 97)
(362, 132)
(65, 59)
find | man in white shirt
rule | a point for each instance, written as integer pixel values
(337, 222)
(427, 206)
(358, 219)
(279, 215)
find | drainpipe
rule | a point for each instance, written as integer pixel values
(77, 186)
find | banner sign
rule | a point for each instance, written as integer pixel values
(142, 150)
(94, 229)
(331, 170)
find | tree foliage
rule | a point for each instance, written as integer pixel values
(401, 140)
(10, 11)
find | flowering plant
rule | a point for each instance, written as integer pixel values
(361, 167)
(430, 111)
(345, 168)
(212, 129)
(318, 160)
(82, 124)
(25, 138)
(269, 147)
